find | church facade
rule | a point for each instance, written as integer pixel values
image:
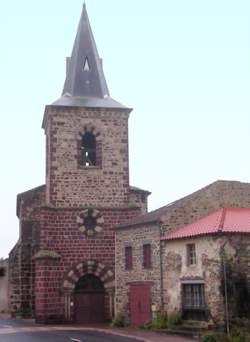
(63, 266)
(88, 249)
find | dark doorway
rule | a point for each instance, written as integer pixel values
(89, 300)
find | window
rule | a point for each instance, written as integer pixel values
(193, 296)
(147, 256)
(2, 271)
(191, 254)
(88, 149)
(194, 301)
(128, 258)
(86, 65)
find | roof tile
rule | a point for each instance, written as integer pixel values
(226, 220)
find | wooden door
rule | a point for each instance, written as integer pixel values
(89, 300)
(140, 304)
(89, 307)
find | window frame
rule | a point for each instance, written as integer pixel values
(128, 258)
(147, 255)
(191, 254)
(88, 147)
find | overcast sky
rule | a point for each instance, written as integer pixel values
(184, 66)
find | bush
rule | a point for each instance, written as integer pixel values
(119, 322)
(160, 322)
(238, 334)
(209, 338)
(224, 338)
(174, 318)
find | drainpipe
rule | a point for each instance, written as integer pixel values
(223, 256)
(224, 270)
(161, 270)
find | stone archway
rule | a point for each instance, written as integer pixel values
(79, 271)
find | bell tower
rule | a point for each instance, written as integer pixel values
(67, 226)
(86, 134)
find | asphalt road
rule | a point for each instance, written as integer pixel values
(12, 330)
(65, 336)
(12, 327)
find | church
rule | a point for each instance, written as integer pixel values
(62, 267)
(88, 248)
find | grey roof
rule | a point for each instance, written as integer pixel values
(156, 215)
(85, 84)
(136, 189)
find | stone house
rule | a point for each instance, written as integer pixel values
(62, 267)
(4, 274)
(199, 256)
(152, 266)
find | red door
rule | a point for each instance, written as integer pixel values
(89, 307)
(140, 304)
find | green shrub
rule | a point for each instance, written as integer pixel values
(160, 322)
(238, 334)
(224, 338)
(174, 318)
(119, 322)
(209, 338)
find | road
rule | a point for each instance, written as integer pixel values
(65, 336)
(22, 331)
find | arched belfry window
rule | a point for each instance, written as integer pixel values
(88, 149)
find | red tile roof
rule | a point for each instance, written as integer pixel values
(227, 220)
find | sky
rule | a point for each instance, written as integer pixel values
(184, 66)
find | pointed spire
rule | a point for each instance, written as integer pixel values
(85, 76)
(85, 84)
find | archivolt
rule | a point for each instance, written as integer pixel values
(88, 267)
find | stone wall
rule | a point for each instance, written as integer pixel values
(21, 265)
(178, 214)
(4, 270)
(68, 183)
(61, 234)
(208, 268)
(204, 202)
(136, 238)
(139, 198)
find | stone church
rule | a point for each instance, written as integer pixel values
(88, 249)
(62, 267)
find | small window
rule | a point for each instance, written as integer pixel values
(193, 301)
(88, 149)
(128, 258)
(86, 65)
(191, 254)
(147, 256)
(2, 271)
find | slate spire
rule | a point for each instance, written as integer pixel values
(85, 76)
(85, 84)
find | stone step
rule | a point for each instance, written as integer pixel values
(185, 333)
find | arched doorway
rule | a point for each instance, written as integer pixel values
(89, 300)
